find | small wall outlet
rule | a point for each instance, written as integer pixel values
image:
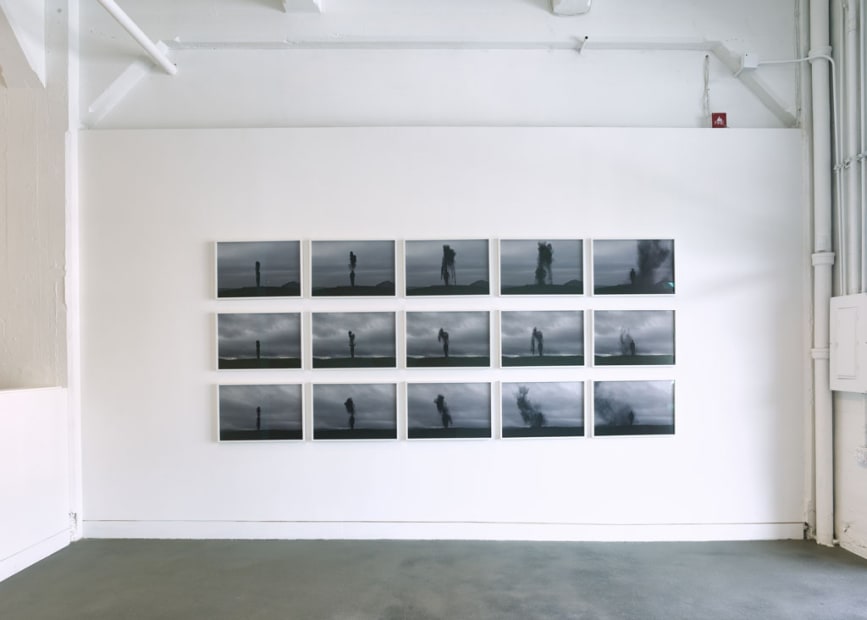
(861, 456)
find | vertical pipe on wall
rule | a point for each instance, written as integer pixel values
(862, 163)
(823, 261)
(850, 134)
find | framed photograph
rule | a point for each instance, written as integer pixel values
(633, 408)
(352, 268)
(258, 340)
(447, 267)
(543, 409)
(354, 411)
(541, 267)
(354, 340)
(633, 337)
(542, 338)
(448, 339)
(633, 267)
(260, 412)
(259, 269)
(448, 410)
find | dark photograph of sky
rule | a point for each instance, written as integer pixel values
(519, 260)
(630, 265)
(627, 404)
(374, 406)
(561, 404)
(279, 265)
(278, 335)
(650, 332)
(374, 334)
(468, 334)
(333, 265)
(562, 331)
(280, 407)
(424, 263)
(469, 405)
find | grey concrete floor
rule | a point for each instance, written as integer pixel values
(392, 580)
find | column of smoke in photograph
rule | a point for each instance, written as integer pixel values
(259, 269)
(448, 339)
(448, 410)
(633, 337)
(354, 411)
(260, 412)
(354, 340)
(633, 408)
(542, 338)
(633, 267)
(352, 268)
(531, 267)
(263, 340)
(543, 409)
(459, 267)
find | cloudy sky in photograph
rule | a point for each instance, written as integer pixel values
(518, 261)
(374, 334)
(652, 331)
(469, 333)
(614, 258)
(562, 403)
(281, 407)
(279, 335)
(562, 331)
(236, 263)
(424, 261)
(652, 402)
(469, 404)
(330, 263)
(375, 405)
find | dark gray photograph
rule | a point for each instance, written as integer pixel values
(354, 340)
(352, 268)
(448, 339)
(447, 267)
(258, 340)
(355, 411)
(259, 269)
(542, 338)
(547, 267)
(633, 267)
(448, 410)
(259, 412)
(633, 408)
(633, 337)
(543, 409)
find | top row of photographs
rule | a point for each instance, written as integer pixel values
(445, 267)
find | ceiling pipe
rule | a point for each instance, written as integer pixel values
(140, 37)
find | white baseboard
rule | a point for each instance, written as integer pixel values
(853, 547)
(31, 555)
(285, 530)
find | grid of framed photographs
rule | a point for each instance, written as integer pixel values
(438, 307)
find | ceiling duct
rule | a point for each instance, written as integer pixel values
(570, 7)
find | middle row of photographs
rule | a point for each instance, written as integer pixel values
(447, 339)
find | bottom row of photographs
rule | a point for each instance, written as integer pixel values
(445, 410)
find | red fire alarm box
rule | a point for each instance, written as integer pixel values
(718, 120)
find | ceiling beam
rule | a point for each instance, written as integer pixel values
(22, 44)
(570, 7)
(302, 5)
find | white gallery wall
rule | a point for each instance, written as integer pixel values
(156, 201)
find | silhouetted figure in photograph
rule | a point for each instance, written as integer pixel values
(632, 276)
(627, 344)
(258, 274)
(350, 409)
(447, 268)
(351, 345)
(543, 264)
(353, 260)
(537, 342)
(443, 410)
(531, 416)
(258, 349)
(258, 418)
(443, 337)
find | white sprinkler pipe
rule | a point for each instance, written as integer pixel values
(141, 38)
(823, 262)
(850, 136)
